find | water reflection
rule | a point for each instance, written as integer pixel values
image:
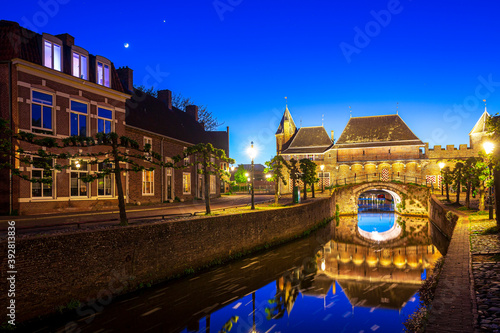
(334, 280)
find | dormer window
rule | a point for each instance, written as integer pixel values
(103, 74)
(80, 65)
(51, 55)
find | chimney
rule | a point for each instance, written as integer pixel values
(166, 97)
(126, 76)
(333, 137)
(67, 39)
(192, 110)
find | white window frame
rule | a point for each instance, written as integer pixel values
(53, 41)
(101, 79)
(78, 171)
(146, 141)
(84, 75)
(105, 119)
(186, 159)
(110, 178)
(183, 182)
(33, 168)
(87, 116)
(151, 182)
(42, 129)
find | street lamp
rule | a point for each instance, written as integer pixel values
(488, 148)
(251, 152)
(322, 167)
(441, 166)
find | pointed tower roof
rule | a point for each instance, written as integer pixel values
(287, 117)
(481, 125)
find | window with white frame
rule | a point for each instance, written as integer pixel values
(104, 120)
(310, 157)
(148, 177)
(78, 187)
(186, 159)
(80, 68)
(78, 118)
(41, 168)
(51, 55)
(213, 185)
(186, 183)
(105, 184)
(41, 112)
(103, 74)
(148, 141)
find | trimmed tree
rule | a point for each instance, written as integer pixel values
(457, 177)
(276, 167)
(239, 175)
(293, 168)
(308, 169)
(447, 180)
(115, 152)
(206, 156)
(494, 132)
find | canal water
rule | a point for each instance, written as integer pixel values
(338, 279)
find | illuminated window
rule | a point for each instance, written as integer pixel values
(79, 188)
(104, 120)
(51, 55)
(42, 168)
(105, 184)
(79, 65)
(186, 183)
(41, 112)
(186, 159)
(148, 182)
(103, 74)
(213, 186)
(148, 144)
(78, 118)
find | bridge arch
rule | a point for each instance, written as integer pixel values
(409, 199)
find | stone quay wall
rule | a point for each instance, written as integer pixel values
(438, 214)
(93, 266)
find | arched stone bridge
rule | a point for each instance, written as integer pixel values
(409, 199)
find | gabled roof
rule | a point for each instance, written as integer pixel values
(152, 115)
(376, 131)
(286, 116)
(480, 126)
(312, 140)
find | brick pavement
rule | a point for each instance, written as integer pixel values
(453, 308)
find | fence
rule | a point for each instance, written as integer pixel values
(385, 177)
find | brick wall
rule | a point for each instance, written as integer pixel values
(437, 214)
(54, 269)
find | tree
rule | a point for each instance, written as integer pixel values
(293, 168)
(206, 155)
(493, 125)
(239, 176)
(457, 177)
(114, 152)
(275, 167)
(447, 180)
(308, 169)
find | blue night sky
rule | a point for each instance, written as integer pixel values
(438, 59)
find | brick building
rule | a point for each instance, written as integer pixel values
(169, 130)
(370, 148)
(53, 88)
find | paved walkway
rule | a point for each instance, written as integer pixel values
(62, 220)
(453, 307)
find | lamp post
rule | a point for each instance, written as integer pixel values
(322, 167)
(441, 166)
(252, 153)
(488, 148)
